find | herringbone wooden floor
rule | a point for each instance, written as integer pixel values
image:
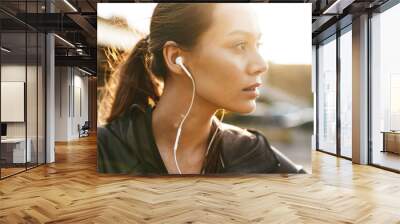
(70, 191)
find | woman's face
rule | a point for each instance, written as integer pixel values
(225, 63)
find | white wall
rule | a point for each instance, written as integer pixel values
(70, 84)
(13, 73)
(33, 127)
(61, 103)
(80, 83)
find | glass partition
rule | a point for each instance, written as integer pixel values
(13, 94)
(385, 89)
(22, 88)
(41, 86)
(31, 100)
(346, 93)
(327, 95)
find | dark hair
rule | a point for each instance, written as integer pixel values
(139, 79)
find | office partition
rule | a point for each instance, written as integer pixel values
(22, 78)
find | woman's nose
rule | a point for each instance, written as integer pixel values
(258, 66)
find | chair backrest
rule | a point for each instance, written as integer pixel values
(86, 125)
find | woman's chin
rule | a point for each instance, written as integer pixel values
(247, 107)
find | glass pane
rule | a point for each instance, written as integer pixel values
(41, 98)
(13, 86)
(386, 89)
(32, 86)
(346, 94)
(22, 79)
(327, 96)
(31, 100)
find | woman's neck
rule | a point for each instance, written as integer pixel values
(168, 114)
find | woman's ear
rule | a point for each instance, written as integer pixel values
(170, 53)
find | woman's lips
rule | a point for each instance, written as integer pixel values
(252, 87)
(252, 90)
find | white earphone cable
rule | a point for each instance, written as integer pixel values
(212, 139)
(179, 61)
(184, 118)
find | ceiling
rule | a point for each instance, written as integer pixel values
(77, 23)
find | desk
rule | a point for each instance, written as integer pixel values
(391, 141)
(13, 150)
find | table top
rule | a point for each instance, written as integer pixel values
(391, 132)
(13, 140)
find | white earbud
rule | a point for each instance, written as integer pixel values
(179, 61)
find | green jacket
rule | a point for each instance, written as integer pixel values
(127, 146)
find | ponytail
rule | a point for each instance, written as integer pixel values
(131, 83)
(139, 80)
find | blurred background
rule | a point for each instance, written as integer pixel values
(284, 110)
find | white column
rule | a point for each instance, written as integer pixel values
(360, 90)
(50, 93)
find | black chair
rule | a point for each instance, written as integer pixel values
(84, 130)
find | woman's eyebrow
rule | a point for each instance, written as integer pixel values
(247, 33)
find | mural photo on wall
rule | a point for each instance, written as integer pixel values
(211, 88)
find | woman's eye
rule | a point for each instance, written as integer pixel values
(244, 45)
(241, 45)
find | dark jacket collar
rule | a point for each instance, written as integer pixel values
(243, 151)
